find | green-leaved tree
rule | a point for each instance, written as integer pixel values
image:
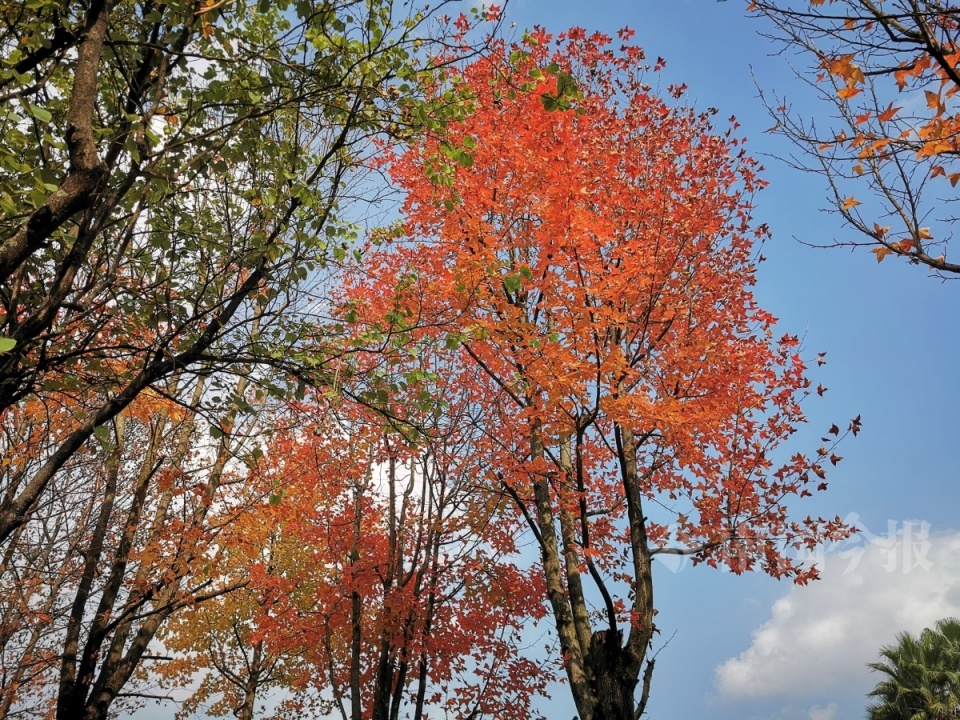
(921, 676)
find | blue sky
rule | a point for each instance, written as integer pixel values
(749, 647)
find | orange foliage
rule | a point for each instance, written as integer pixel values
(349, 512)
(593, 266)
(891, 71)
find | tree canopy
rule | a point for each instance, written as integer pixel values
(889, 72)
(173, 180)
(921, 676)
(587, 247)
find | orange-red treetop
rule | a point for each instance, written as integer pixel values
(595, 265)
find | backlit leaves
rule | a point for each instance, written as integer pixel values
(591, 271)
(889, 71)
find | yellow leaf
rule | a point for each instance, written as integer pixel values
(881, 252)
(848, 92)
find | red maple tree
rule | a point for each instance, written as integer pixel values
(587, 246)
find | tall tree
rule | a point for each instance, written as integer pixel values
(888, 71)
(587, 247)
(921, 676)
(171, 180)
(170, 173)
(383, 582)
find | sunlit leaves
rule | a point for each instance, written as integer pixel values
(592, 269)
(888, 70)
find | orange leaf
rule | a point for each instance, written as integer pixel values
(924, 234)
(888, 114)
(850, 202)
(881, 251)
(848, 92)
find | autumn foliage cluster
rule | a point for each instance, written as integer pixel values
(251, 469)
(889, 70)
(592, 270)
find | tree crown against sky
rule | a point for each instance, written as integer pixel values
(587, 247)
(921, 676)
(888, 71)
(173, 180)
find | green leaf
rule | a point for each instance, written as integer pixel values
(566, 85)
(38, 112)
(7, 344)
(512, 283)
(102, 434)
(550, 103)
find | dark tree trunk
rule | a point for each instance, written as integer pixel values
(614, 681)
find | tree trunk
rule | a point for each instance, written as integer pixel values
(614, 678)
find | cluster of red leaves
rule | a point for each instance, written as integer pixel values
(595, 267)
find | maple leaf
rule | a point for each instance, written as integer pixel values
(888, 114)
(881, 251)
(850, 202)
(848, 92)
(855, 425)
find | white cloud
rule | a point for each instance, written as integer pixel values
(821, 636)
(824, 713)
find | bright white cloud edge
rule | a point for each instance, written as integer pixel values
(821, 636)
